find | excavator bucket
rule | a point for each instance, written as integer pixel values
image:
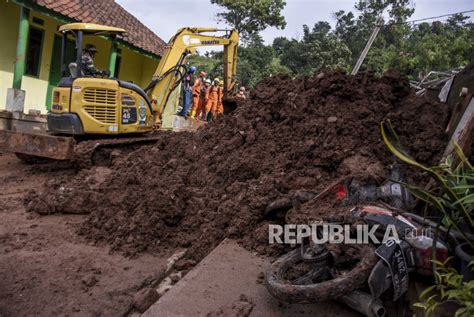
(42, 145)
(230, 104)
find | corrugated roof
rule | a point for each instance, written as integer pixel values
(108, 12)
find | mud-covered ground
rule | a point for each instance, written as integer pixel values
(193, 190)
(110, 228)
(46, 269)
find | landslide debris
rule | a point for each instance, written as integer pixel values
(192, 190)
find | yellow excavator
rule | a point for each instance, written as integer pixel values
(106, 109)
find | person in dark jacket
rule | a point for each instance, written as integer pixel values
(188, 82)
(87, 63)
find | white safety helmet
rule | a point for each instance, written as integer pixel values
(207, 81)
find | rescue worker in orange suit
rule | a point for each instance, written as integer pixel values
(220, 94)
(213, 100)
(201, 111)
(241, 93)
(197, 86)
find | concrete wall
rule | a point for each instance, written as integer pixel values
(134, 66)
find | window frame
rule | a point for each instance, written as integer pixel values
(118, 62)
(40, 57)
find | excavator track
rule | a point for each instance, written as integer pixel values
(83, 153)
(101, 152)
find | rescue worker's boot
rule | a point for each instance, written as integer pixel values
(209, 116)
(192, 113)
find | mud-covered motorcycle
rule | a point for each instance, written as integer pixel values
(360, 275)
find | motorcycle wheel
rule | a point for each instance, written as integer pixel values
(289, 291)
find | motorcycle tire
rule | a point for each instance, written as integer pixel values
(285, 291)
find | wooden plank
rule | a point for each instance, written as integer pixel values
(464, 132)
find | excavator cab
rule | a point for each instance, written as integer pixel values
(95, 105)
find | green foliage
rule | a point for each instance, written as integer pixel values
(319, 48)
(276, 67)
(208, 64)
(256, 62)
(250, 17)
(438, 46)
(449, 286)
(412, 49)
(355, 30)
(454, 197)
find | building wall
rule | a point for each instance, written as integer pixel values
(9, 14)
(36, 87)
(101, 59)
(148, 69)
(134, 66)
(131, 66)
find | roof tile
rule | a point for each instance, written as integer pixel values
(108, 12)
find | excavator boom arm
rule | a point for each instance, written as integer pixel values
(182, 44)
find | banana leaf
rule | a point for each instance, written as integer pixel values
(392, 141)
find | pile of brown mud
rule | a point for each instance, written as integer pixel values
(192, 190)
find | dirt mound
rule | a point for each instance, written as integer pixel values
(193, 190)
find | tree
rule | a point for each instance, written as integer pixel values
(209, 64)
(280, 44)
(249, 17)
(412, 49)
(437, 46)
(254, 63)
(319, 48)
